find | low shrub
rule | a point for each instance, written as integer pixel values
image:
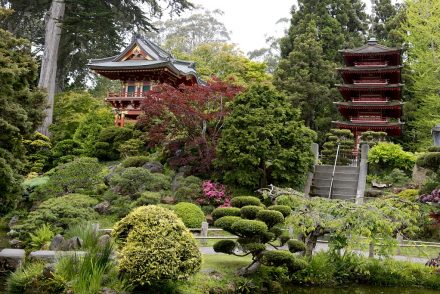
(284, 209)
(409, 194)
(190, 189)
(135, 161)
(135, 180)
(226, 222)
(214, 194)
(429, 160)
(27, 277)
(241, 201)
(225, 246)
(434, 149)
(296, 246)
(191, 214)
(225, 211)
(283, 258)
(155, 246)
(249, 228)
(79, 176)
(270, 217)
(60, 213)
(391, 156)
(250, 211)
(147, 198)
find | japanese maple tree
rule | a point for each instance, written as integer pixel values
(187, 121)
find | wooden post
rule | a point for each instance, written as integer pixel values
(371, 250)
(399, 243)
(204, 232)
(95, 228)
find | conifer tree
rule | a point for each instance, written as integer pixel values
(22, 111)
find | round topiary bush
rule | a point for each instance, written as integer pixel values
(270, 217)
(225, 246)
(155, 246)
(284, 209)
(241, 201)
(191, 214)
(296, 246)
(250, 211)
(225, 211)
(283, 258)
(226, 222)
(249, 228)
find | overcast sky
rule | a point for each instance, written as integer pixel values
(250, 21)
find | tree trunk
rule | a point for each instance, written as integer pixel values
(50, 59)
(263, 179)
(311, 244)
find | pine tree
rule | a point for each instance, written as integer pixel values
(309, 56)
(22, 111)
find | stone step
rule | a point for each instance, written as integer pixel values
(336, 182)
(342, 169)
(335, 196)
(338, 176)
(336, 190)
(52, 256)
(11, 259)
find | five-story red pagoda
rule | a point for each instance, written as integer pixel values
(372, 90)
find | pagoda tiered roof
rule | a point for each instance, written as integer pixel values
(144, 58)
(372, 89)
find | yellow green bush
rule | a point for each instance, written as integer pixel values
(155, 246)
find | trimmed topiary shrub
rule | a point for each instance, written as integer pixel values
(226, 222)
(249, 228)
(135, 161)
(191, 214)
(296, 246)
(270, 217)
(155, 246)
(225, 246)
(225, 211)
(284, 209)
(409, 194)
(283, 258)
(241, 201)
(250, 211)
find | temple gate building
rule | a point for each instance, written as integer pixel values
(372, 90)
(139, 67)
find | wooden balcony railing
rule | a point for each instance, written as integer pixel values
(137, 94)
(368, 119)
(371, 63)
(370, 82)
(369, 99)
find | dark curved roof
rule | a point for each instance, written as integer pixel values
(371, 47)
(158, 58)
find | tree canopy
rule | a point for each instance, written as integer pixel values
(264, 141)
(22, 110)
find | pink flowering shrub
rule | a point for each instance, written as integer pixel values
(214, 194)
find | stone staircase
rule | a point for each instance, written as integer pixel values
(345, 182)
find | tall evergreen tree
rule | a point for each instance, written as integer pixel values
(307, 77)
(22, 111)
(386, 20)
(309, 55)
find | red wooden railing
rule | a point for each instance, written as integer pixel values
(368, 118)
(371, 81)
(371, 63)
(369, 99)
(137, 94)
